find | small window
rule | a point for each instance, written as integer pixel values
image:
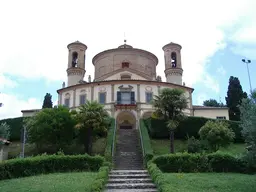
(102, 98)
(149, 97)
(67, 102)
(125, 77)
(173, 59)
(220, 117)
(74, 59)
(82, 99)
(125, 65)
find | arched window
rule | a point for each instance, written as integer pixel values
(74, 59)
(67, 100)
(173, 59)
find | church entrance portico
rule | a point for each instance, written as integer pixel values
(126, 120)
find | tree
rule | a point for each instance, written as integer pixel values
(248, 124)
(92, 119)
(212, 103)
(54, 127)
(5, 131)
(170, 105)
(47, 101)
(234, 98)
(216, 134)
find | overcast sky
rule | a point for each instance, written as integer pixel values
(34, 34)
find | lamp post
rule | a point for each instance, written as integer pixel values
(247, 61)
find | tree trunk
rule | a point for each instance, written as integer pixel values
(172, 141)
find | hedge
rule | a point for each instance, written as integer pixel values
(190, 163)
(16, 126)
(148, 151)
(49, 164)
(110, 137)
(189, 126)
(102, 178)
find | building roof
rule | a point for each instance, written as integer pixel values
(76, 43)
(208, 107)
(30, 110)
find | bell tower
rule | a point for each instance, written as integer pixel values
(173, 68)
(76, 62)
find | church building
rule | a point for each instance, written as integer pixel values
(125, 82)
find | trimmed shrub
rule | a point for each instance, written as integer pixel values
(110, 138)
(101, 178)
(48, 164)
(15, 127)
(189, 126)
(148, 151)
(194, 145)
(190, 163)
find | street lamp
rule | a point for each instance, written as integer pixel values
(247, 62)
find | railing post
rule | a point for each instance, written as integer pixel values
(114, 140)
(141, 140)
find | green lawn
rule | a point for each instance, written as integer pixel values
(98, 148)
(161, 147)
(217, 182)
(59, 182)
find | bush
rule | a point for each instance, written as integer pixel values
(101, 178)
(190, 163)
(148, 151)
(110, 138)
(189, 126)
(194, 145)
(48, 164)
(16, 125)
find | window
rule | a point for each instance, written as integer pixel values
(125, 65)
(66, 102)
(82, 99)
(149, 97)
(125, 77)
(74, 59)
(173, 59)
(125, 97)
(102, 98)
(220, 117)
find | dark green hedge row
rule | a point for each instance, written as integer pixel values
(189, 126)
(102, 178)
(110, 137)
(189, 163)
(49, 164)
(148, 151)
(15, 127)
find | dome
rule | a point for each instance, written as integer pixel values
(125, 46)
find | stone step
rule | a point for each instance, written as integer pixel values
(131, 190)
(129, 171)
(125, 180)
(130, 185)
(128, 176)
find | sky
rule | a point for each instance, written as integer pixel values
(214, 35)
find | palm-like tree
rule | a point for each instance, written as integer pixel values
(91, 117)
(170, 104)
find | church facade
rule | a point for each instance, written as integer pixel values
(125, 82)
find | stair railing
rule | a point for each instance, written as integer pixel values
(114, 140)
(141, 140)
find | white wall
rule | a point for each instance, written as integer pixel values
(211, 113)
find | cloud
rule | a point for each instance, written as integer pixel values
(201, 98)
(221, 70)
(33, 43)
(6, 82)
(13, 104)
(211, 83)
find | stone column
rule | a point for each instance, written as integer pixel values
(158, 89)
(112, 93)
(138, 92)
(74, 98)
(60, 99)
(92, 93)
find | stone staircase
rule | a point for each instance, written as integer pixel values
(128, 174)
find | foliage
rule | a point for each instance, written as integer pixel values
(148, 151)
(93, 120)
(217, 134)
(15, 127)
(110, 138)
(191, 163)
(4, 131)
(47, 101)
(194, 145)
(189, 126)
(234, 98)
(248, 119)
(53, 127)
(101, 179)
(170, 104)
(213, 103)
(48, 164)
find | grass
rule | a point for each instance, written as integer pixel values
(98, 148)
(63, 182)
(201, 182)
(161, 147)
